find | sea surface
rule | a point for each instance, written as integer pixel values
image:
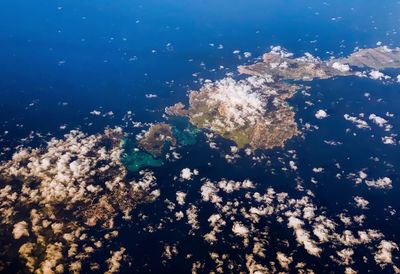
(61, 60)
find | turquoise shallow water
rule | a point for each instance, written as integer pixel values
(60, 60)
(135, 158)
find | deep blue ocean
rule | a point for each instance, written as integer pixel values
(60, 60)
(100, 54)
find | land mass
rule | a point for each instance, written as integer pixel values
(254, 111)
(155, 139)
(376, 58)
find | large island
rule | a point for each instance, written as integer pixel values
(254, 112)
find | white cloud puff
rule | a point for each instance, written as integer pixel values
(377, 75)
(180, 197)
(357, 121)
(284, 260)
(20, 230)
(114, 261)
(321, 114)
(303, 236)
(384, 254)
(378, 120)
(240, 230)
(341, 67)
(238, 102)
(95, 112)
(361, 202)
(381, 183)
(187, 174)
(388, 140)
